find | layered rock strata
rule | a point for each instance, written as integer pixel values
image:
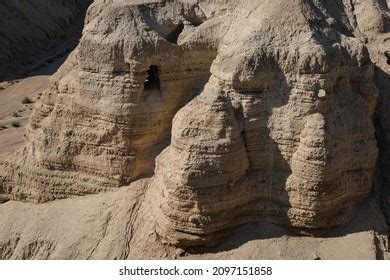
(284, 130)
(377, 35)
(108, 115)
(239, 111)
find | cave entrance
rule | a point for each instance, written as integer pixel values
(152, 81)
(174, 35)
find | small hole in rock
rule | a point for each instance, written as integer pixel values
(387, 54)
(174, 35)
(152, 81)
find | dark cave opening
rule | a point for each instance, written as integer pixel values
(174, 35)
(387, 54)
(152, 81)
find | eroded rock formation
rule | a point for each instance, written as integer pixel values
(237, 110)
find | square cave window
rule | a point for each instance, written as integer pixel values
(152, 81)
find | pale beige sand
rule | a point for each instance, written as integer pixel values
(11, 103)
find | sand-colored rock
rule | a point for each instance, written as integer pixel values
(118, 225)
(377, 36)
(238, 111)
(104, 128)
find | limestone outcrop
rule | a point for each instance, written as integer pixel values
(238, 111)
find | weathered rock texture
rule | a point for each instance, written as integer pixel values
(377, 35)
(117, 225)
(238, 110)
(28, 27)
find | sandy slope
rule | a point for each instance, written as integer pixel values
(12, 96)
(12, 111)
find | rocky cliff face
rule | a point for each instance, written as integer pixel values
(29, 28)
(237, 111)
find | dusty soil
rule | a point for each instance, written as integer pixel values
(18, 97)
(15, 111)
